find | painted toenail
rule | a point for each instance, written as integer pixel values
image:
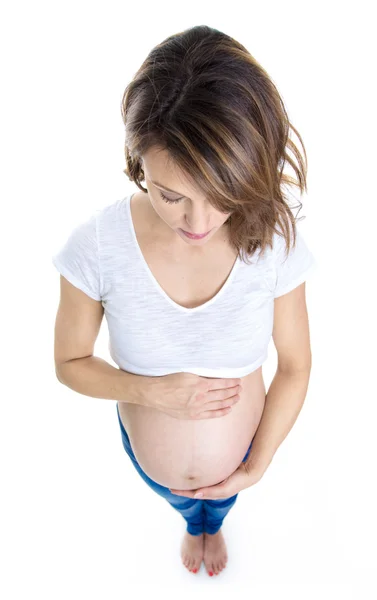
(194, 570)
(210, 573)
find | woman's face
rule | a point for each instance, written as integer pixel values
(178, 204)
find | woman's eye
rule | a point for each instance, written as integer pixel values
(168, 199)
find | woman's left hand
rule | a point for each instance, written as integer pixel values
(244, 477)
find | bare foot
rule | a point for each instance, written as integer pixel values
(192, 551)
(215, 555)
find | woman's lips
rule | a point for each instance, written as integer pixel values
(195, 237)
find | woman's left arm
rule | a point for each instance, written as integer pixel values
(284, 401)
(288, 389)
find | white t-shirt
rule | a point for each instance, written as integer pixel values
(149, 334)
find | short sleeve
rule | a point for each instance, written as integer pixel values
(77, 260)
(293, 270)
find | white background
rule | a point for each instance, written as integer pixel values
(77, 521)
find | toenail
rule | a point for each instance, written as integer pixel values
(194, 570)
(210, 573)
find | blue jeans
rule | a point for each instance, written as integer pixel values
(200, 515)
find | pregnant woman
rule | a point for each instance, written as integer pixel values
(194, 273)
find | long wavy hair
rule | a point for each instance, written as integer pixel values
(203, 98)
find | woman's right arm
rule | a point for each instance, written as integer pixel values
(93, 376)
(77, 326)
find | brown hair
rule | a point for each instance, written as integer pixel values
(203, 98)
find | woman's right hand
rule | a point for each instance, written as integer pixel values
(189, 396)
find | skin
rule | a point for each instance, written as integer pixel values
(79, 319)
(194, 214)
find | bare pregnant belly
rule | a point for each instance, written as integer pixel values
(187, 454)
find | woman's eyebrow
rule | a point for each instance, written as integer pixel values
(165, 188)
